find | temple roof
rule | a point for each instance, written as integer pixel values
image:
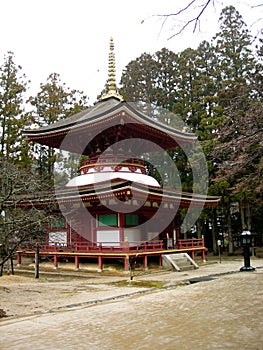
(107, 118)
(120, 187)
(94, 195)
(86, 116)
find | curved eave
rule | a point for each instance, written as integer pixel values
(82, 196)
(106, 190)
(103, 115)
(165, 128)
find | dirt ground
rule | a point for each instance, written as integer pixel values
(156, 310)
(22, 296)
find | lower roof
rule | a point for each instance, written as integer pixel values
(121, 188)
(125, 191)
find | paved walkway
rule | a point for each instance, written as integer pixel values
(223, 313)
(212, 267)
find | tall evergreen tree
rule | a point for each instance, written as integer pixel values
(184, 105)
(217, 90)
(209, 114)
(55, 101)
(13, 85)
(234, 54)
(166, 82)
(138, 79)
(256, 75)
(238, 148)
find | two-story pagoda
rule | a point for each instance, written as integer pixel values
(114, 208)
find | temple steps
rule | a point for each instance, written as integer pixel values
(179, 262)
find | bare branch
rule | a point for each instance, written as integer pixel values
(255, 6)
(195, 20)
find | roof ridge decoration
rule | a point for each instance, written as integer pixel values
(111, 82)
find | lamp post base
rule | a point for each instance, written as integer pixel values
(247, 268)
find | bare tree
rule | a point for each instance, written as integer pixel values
(22, 217)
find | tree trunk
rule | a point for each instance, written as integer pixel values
(214, 240)
(230, 235)
(199, 225)
(12, 265)
(242, 215)
(248, 217)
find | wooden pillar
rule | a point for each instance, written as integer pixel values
(76, 262)
(94, 228)
(19, 259)
(126, 247)
(203, 255)
(145, 262)
(160, 261)
(69, 234)
(100, 263)
(121, 223)
(193, 254)
(55, 262)
(126, 264)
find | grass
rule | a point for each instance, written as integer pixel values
(142, 284)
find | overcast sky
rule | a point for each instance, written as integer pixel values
(71, 37)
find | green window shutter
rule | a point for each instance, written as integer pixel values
(108, 220)
(131, 220)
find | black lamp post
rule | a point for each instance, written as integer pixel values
(246, 240)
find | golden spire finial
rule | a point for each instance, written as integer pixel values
(111, 68)
(111, 83)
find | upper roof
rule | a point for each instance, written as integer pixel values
(111, 120)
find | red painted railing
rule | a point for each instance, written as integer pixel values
(109, 159)
(112, 247)
(107, 247)
(190, 243)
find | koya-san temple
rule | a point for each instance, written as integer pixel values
(114, 208)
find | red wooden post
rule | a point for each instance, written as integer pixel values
(160, 261)
(193, 254)
(203, 255)
(121, 226)
(19, 259)
(145, 262)
(203, 250)
(126, 264)
(126, 245)
(100, 263)
(76, 262)
(55, 261)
